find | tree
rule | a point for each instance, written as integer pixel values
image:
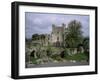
(86, 44)
(35, 37)
(40, 37)
(73, 37)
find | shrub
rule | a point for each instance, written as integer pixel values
(34, 61)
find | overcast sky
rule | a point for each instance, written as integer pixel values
(41, 23)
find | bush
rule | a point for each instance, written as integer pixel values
(66, 53)
(34, 61)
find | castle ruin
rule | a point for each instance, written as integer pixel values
(57, 36)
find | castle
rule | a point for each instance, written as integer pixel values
(57, 36)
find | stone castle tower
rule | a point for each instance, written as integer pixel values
(57, 35)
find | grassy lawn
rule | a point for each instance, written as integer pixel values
(77, 57)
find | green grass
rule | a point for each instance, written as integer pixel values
(34, 61)
(77, 57)
(56, 57)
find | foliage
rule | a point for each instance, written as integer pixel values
(49, 51)
(33, 60)
(86, 43)
(56, 57)
(77, 57)
(74, 34)
(37, 36)
(65, 52)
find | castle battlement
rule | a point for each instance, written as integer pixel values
(56, 37)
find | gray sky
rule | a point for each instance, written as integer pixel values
(41, 23)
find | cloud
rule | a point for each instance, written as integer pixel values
(37, 21)
(41, 23)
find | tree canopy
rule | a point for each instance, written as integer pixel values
(38, 37)
(73, 37)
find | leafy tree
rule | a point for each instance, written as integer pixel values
(86, 43)
(86, 47)
(40, 37)
(73, 37)
(35, 37)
